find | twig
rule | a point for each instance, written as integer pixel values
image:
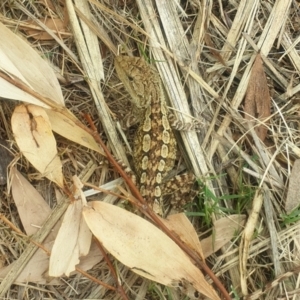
(112, 269)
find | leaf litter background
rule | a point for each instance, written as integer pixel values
(212, 71)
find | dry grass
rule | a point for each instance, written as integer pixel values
(207, 50)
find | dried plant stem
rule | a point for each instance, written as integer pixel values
(114, 274)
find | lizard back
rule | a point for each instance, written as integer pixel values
(154, 144)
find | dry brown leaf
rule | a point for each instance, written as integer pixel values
(70, 130)
(144, 248)
(36, 269)
(18, 59)
(292, 199)
(33, 211)
(257, 99)
(64, 262)
(213, 50)
(33, 134)
(181, 225)
(224, 230)
(74, 237)
(32, 208)
(54, 24)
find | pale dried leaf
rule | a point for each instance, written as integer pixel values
(9, 91)
(68, 128)
(64, 262)
(181, 225)
(257, 99)
(32, 208)
(36, 269)
(224, 230)
(33, 211)
(144, 248)
(84, 235)
(33, 134)
(73, 237)
(54, 24)
(292, 199)
(18, 59)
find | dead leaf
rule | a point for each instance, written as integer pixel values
(54, 24)
(144, 248)
(36, 269)
(181, 225)
(224, 230)
(212, 49)
(33, 134)
(257, 99)
(33, 211)
(68, 128)
(64, 262)
(32, 208)
(19, 60)
(74, 237)
(292, 199)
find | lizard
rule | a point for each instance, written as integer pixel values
(155, 145)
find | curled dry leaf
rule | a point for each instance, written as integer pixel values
(144, 248)
(19, 60)
(74, 237)
(257, 100)
(33, 134)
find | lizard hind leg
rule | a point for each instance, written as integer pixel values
(178, 191)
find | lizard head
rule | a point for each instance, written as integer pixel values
(138, 78)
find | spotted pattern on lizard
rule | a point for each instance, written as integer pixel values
(154, 144)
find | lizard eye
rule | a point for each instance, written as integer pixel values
(130, 78)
